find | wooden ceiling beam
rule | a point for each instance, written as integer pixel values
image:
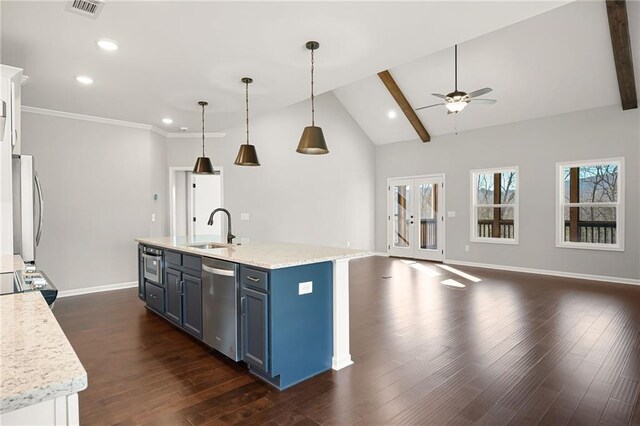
(621, 44)
(404, 105)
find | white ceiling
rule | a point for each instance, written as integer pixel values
(556, 62)
(174, 53)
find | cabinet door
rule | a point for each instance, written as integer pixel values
(192, 304)
(255, 345)
(141, 293)
(173, 296)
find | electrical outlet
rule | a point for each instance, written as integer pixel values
(245, 216)
(348, 243)
(466, 248)
(451, 214)
(153, 217)
(305, 287)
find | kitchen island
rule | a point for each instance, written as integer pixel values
(293, 301)
(40, 373)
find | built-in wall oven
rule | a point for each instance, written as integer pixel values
(152, 264)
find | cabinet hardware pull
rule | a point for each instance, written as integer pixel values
(254, 279)
(242, 305)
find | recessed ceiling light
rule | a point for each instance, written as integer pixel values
(106, 44)
(84, 79)
(392, 114)
(167, 120)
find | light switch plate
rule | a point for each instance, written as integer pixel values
(305, 287)
(245, 216)
(451, 214)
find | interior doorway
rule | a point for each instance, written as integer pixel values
(415, 217)
(192, 199)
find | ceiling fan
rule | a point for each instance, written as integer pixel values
(455, 101)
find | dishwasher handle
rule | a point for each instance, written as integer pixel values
(218, 271)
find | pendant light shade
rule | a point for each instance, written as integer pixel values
(247, 155)
(312, 141)
(203, 164)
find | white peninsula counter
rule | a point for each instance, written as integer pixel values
(40, 374)
(276, 257)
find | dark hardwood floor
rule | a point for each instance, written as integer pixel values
(509, 349)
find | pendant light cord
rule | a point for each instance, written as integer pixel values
(313, 107)
(247, 104)
(203, 130)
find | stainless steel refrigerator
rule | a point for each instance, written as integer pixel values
(27, 208)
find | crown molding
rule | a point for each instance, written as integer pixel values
(113, 122)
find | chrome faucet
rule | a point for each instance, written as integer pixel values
(230, 236)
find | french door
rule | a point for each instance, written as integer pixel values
(416, 217)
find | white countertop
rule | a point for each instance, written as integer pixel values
(10, 263)
(37, 362)
(268, 255)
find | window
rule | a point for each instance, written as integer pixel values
(590, 204)
(494, 206)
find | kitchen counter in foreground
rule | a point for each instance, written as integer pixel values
(41, 374)
(268, 255)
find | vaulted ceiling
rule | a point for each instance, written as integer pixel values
(174, 53)
(553, 63)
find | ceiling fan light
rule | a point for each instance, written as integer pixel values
(455, 106)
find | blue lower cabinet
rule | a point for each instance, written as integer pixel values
(287, 336)
(173, 297)
(192, 304)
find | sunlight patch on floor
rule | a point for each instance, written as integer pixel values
(459, 273)
(452, 283)
(425, 269)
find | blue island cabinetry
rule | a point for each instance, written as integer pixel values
(285, 315)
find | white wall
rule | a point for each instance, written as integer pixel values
(535, 146)
(325, 200)
(98, 180)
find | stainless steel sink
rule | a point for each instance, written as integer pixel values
(208, 246)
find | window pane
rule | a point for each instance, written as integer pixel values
(488, 228)
(597, 184)
(508, 188)
(590, 225)
(484, 188)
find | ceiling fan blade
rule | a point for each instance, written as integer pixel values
(480, 92)
(428, 106)
(438, 95)
(483, 101)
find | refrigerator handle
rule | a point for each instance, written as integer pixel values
(40, 208)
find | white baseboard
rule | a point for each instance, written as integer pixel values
(379, 253)
(96, 289)
(563, 274)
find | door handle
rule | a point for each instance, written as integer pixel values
(217, 271)
(179, 288)
(40, 208)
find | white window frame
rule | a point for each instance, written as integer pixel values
(619, 205)
(474, 207)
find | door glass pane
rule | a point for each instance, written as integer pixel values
(428, 216)
(401, 215)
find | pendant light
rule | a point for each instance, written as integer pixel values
(247, 155)
(203, 164)
(312, 140)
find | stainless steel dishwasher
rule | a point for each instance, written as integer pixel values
(220, 306)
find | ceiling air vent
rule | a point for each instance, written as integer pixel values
(89, 8)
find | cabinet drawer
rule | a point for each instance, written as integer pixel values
(192, 262)
(155, 297)
(254, 278)
(173, 257)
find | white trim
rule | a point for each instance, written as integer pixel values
(96, 289)
(515, 206)
(195, 135)
(113, 122)
(341, 354)
(619, 206)
(619, 280)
